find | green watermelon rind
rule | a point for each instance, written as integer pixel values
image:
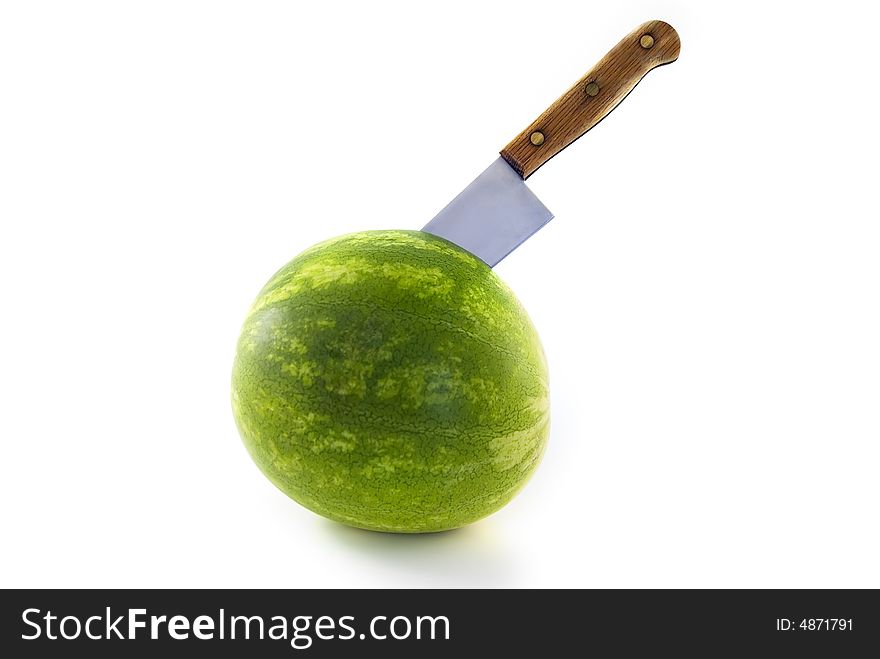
(391, 381)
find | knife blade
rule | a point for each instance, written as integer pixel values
(497, 212)
(493, 215)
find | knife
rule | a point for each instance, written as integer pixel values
(497, 212)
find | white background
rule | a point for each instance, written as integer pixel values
(707, 294)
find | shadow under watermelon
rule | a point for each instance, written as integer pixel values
(472, 556)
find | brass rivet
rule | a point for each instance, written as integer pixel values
(537, 138)
(592, 89)
(646, 41)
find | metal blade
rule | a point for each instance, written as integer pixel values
(492, 216)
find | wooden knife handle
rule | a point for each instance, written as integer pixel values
(595, 95)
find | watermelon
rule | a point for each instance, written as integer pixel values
(390, 380)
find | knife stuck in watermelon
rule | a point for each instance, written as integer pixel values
(390, 380)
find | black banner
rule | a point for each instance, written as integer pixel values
(428, 623)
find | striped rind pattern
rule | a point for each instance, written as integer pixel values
(391, 381)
